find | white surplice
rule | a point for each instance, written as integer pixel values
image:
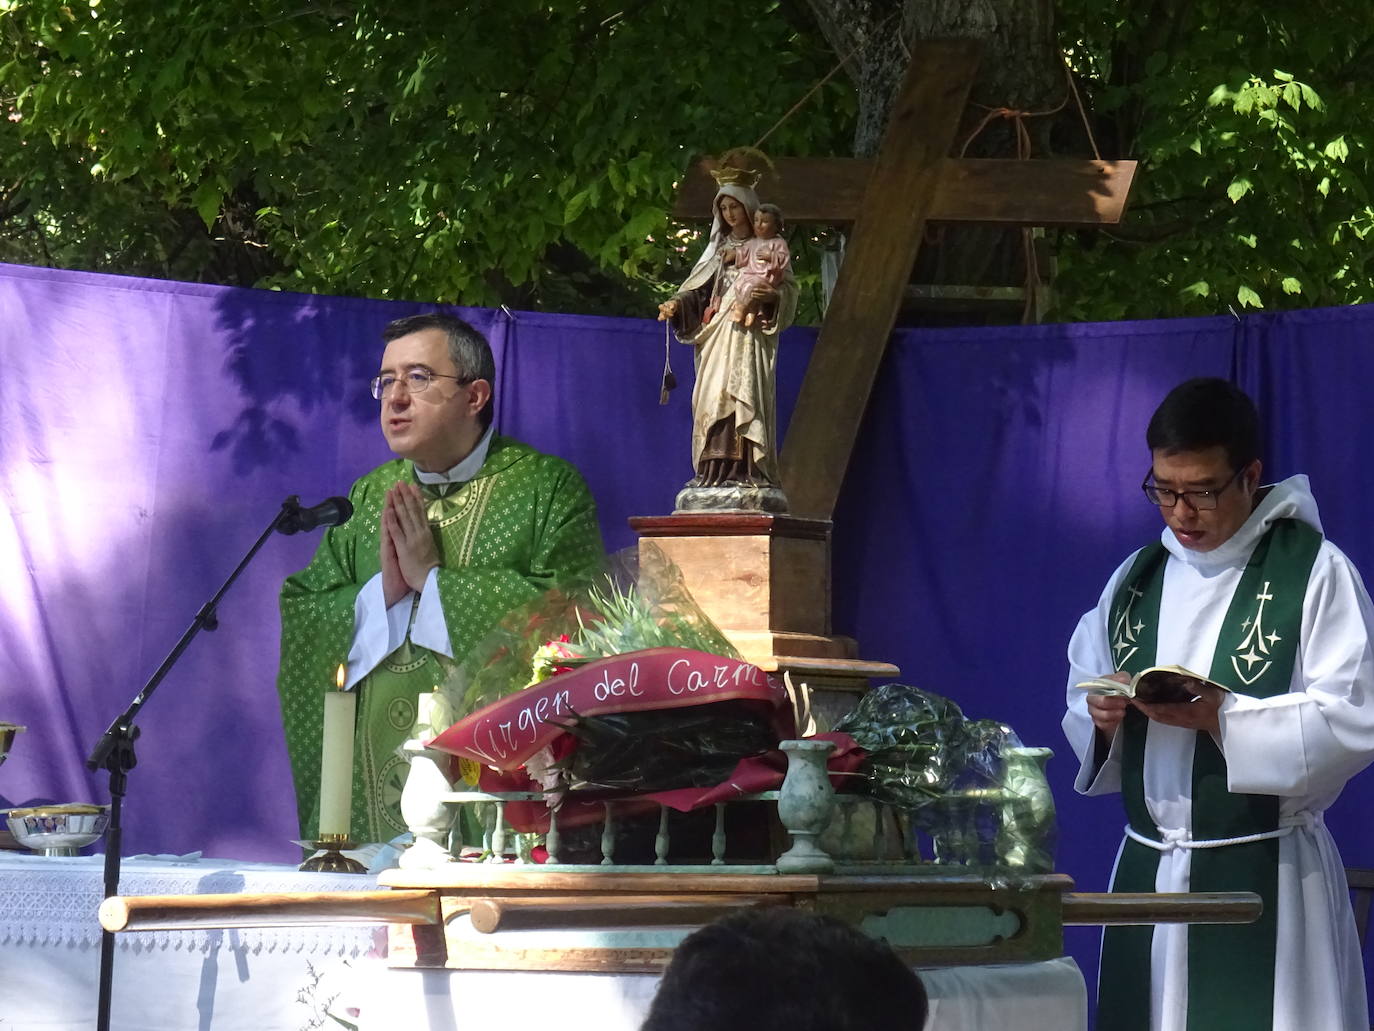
(1302, 746)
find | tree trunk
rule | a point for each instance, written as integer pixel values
(1021, 70)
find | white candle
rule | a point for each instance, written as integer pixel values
(336, 760)
(424, 710)
(432, 715)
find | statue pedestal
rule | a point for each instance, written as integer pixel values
(764, 580)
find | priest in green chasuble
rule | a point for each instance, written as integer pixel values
(1227, 792)
(462, 527)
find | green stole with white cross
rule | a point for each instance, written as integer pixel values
(1230, 966)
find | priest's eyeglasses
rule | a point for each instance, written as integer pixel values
(416, 381)
(1197, 500)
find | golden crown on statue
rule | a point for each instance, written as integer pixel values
(730, 176)
(734, 167)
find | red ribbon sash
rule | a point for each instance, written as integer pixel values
(506, 733)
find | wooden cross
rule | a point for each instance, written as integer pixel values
(889, 200)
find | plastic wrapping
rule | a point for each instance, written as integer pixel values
(663, 749)
(970, 785)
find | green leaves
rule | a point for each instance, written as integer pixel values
(526, 151)
(576, 205)
(206, 200)
(523, 151)
(1337, 149)
(1254, 146)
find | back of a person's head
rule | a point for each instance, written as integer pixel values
(1205, 413)
(778, 969)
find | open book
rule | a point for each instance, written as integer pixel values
(1158, 685)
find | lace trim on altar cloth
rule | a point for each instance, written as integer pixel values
(53, 901)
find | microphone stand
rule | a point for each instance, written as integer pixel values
(115, 750)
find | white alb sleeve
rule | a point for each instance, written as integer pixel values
(1090, 656)
(430, 629)
(377, 630)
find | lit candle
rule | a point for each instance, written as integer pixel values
(336, 759)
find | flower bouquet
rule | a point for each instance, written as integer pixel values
(620, 690)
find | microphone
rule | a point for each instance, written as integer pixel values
(329, 512)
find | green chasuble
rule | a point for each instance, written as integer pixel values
(525, 523)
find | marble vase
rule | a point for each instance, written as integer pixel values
(805, 804)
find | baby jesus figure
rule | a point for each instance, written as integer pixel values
(763, 261)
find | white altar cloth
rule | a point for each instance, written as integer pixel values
(285, 979)
(269, 979)
(1048, 996)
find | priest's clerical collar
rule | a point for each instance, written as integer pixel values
(464, 470)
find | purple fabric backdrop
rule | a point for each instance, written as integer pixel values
(150, 430)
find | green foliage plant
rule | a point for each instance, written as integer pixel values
(1252, 127)
(521, 152)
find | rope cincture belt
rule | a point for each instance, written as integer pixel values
(1181, 837)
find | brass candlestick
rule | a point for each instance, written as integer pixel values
(7, 732)
(333, 860)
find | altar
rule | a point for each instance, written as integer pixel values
(290, 978)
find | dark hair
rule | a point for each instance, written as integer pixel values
(1205, 413)
(775, 211)
(779, 969)
(469, 350)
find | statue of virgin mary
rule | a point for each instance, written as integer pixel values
(734, 402)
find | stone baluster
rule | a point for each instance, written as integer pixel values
(661, 838)
(498, 834)
(718, 837)
(486, 811)
(608, 837)
(906, 827)
(553, 839)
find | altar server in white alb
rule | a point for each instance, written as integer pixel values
(1227, 792)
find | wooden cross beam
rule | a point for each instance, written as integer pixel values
(1065, 193)
(889, 200)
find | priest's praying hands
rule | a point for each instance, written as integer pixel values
(408, 551)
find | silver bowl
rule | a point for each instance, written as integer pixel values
(7, 732)
(57, 830)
